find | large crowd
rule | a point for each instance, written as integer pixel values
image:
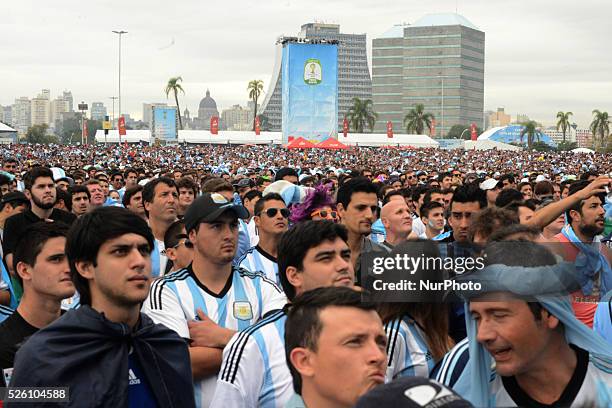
(241, 276)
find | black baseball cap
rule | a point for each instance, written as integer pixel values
(15, 196)
(412, 392)
(208, 208)
(245, 182)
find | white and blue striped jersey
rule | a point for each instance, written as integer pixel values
(174, 299)
(254, 372)
(258, 260)
(407, 350)
(453, 364)
(5, 313)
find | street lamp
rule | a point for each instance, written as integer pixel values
(120, 33)
(113, 99)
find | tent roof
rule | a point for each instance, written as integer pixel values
(331, 143)
(6, 128)
(300, 143)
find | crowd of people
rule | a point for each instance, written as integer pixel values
(239, 276)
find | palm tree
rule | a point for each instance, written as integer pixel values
(600, 125)
(563, 123)
(530, 129)
(174, 86)
(362, 114)
(416, 120)
(255, 89)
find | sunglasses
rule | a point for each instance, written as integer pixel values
(329, 215)
(185, 241)
(271, 212)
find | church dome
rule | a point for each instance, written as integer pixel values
(208, 102)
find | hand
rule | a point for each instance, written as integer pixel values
(206, 333)
(596, 186)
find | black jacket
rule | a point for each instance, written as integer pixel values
(89, 354)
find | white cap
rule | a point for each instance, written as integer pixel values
(488, 184)
(541, 177)
(525, 180)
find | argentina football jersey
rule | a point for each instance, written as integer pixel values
(174, 300)
(258, 260)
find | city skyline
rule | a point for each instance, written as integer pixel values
(540, 57)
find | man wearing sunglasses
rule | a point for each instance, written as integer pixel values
(272, 220)
(179, 250)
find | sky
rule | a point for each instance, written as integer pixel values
(541, 56)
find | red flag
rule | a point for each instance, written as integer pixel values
(345, 127)
(214, 125)
(389, 129)
(433, 128)
(257, 125)
(474, 132)
(121, 124)
(85, 129)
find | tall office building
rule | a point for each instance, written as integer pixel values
(67, 95)
(439, 62)
(58, 106)
(41, 110)
(353, 73)
(22, 115)
(97, 111)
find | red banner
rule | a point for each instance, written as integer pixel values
(121, 125)
(473, 131)
(433, 128)
(85, 135)
(214, 125)
(345, 127)
(257, 125)
(389, 129)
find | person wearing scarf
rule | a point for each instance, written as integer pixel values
(526, 347)
(107, 352)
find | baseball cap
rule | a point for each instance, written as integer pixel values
(245, 182)
(412, 392)
(14, 196)
(210, 207)
(488, 184)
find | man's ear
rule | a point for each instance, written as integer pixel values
(301, 359)
(385, 222)
(294, 277)
(147, 205)
(340, 210)
(23, 270)
(192, 235)
(171, 254)
(257, 220)
(85, 269)
(576, 216)
(28, 194)
(552, 322)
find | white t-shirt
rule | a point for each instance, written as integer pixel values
(591, 381)
(418, 227)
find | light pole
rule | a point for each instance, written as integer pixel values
(113, 99)
(120, 33)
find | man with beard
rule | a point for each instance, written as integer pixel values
(593, 259)
(40, 190)
(210, 300)
(357, 207)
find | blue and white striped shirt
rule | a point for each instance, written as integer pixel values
(407, 350)
(5, 313)
(453, 364)
(254, 372)
(258, 260)
(174, 299)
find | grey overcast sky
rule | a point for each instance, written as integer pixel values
(542, 56)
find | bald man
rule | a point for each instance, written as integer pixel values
(397, 220)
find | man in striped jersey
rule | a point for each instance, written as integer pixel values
(272, 220)
(254, 373)
(223, 298)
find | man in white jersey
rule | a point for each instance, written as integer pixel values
(160, 200)
(432, 215)
(272, 220)
(254, 373)
(223, 298)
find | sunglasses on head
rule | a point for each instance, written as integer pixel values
(271, 212)
(331, 215)
(183, 240)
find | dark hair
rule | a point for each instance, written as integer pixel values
(128, 171)
(514, 229)
(431, 192)
(79, 189)
(186, 182)
(171, 236)
(418, 191)
(30, 177)
(443, 175)
(259, 205)
(354, 185)
(148, 191)
(64, 196)
(215, 185)
(390, 194)
(129, 193)
(590, 173)
(32, 241)
(543, 188)
(509, 177)
(427, 207)
(4, 179)
(573, 189)
(514, 206)
(90, 231)
(469, 193)
(284, 172)
(507, 196)
(303, 325)
(296, 242)
(251, 194)
(491, 219)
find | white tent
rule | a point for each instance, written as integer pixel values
(231, 137)
(381, 139)
(582, 150)
(487, 144)
(132, 136)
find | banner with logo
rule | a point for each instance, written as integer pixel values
(214, 125)
(164, 123)
(121, 126)
(389, 129)
(257, 126)
(310, 91)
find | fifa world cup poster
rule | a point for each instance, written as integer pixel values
(164, 123)
(310, 91)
